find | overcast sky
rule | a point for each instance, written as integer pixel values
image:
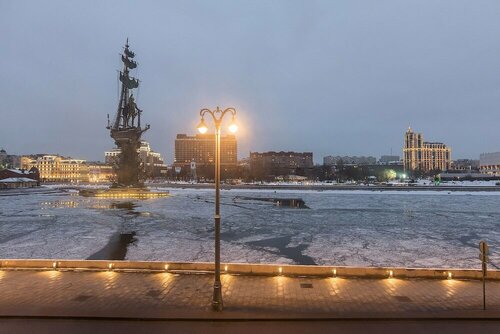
(331, 77)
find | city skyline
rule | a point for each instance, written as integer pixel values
(303, 77)
(318, 160)
(241, 157)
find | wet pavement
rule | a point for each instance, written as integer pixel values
(188, 296)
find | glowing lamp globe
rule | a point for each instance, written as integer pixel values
(233, 127)
(202, 127)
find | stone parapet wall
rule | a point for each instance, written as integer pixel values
(247, 269)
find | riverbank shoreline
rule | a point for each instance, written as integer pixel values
(326, 187)
(308, 187)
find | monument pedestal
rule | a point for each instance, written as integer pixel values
(136, 193)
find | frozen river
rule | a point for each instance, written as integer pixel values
(414, 229)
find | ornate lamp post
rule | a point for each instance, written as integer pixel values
(217, 116)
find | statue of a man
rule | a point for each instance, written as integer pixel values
(133, 111)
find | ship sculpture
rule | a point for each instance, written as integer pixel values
(126, 130)
(126, 127)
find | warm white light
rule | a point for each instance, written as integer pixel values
(233, 127)
(202, 127)
(166, 267)
(225, 268)
(54, 265)
(391, 274)
(334, 272)
(280, 270)
(450, 275)
(110, 266)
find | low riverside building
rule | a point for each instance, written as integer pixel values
(348, 160)
(18, 178)
(18, 182)
(465, 165)
(271, 164)
(422, 156)
(54, 168)
(390, 160)
(9, 160)
(100, 173)
(489, 163)
(461, 175)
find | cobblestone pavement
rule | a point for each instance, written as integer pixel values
(170, 295)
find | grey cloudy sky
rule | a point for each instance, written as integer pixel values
(332, 77)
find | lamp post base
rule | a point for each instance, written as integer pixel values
(217, 304)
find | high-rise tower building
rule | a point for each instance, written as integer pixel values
(195, 155)
(201, 149)
(424, 156)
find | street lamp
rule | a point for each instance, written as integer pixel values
(217, 116)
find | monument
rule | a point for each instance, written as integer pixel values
(126, 130)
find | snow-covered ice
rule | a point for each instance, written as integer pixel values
(361, 228)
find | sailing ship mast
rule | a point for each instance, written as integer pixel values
(128, 115)
(126, 129)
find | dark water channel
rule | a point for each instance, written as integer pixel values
(297, 203)
(117, 246)
(281, 244)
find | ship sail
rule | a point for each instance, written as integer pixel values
(129, 53)
(127, 128)
(129, 63)
(128, 115)
(129, 82)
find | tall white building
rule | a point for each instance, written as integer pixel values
(424, 156)
(153, 162)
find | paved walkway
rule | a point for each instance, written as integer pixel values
(174, 295)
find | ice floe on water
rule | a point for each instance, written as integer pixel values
(353, 228)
